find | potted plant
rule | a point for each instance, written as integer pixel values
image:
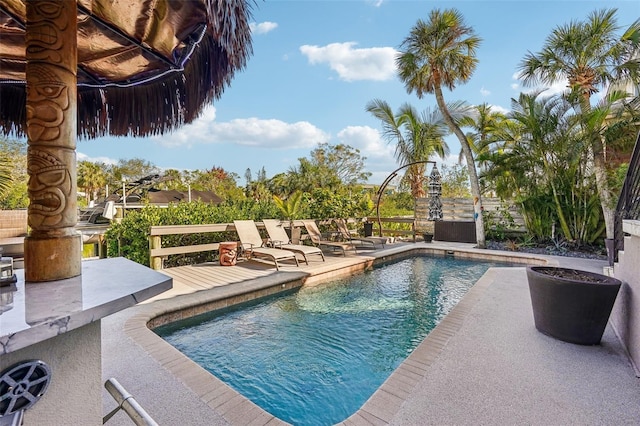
(570, 304)
(427, 236)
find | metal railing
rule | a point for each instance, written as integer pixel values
(128, 404)
(628, 206)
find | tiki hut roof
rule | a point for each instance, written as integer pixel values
(144, 68)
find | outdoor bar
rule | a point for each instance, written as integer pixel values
(83, 68)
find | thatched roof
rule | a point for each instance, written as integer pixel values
(155, 69)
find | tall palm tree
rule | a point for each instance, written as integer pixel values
(590, 55)
(441, 53)
(418, 137)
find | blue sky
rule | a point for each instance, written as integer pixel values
(315, 66)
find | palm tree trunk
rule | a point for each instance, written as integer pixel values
(471, 167)
(600, 171)
(602, 185)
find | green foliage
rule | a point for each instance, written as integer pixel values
(92, 177)
(341, 160)
(13, 175)
(455, 181)
(418, 137)
(291, 207)
(323, 203)
(499, 224)
(130, 237)
(538, 211)
(132, 169)
(219, 181)
(401, 201)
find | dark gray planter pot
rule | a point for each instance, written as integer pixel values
(573, 310)
(427, 237)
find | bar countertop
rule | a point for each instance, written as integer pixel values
(33, 312)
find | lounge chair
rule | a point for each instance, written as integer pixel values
(347, 236)
(253, 245)
(316, 238)
(278, 238)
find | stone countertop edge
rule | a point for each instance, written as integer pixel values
(631, 227)
(33, 312)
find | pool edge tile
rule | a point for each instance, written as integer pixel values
(215, 395)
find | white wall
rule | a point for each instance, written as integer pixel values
(74, 395)
(625, 316)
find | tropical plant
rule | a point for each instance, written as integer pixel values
(342, 160)
(545, 170)
(91, 177)
(487, 130)
(324, 203)
(440, 52)
(219, 181)
(590, 55)
(130, 237)
(13, 175)
(5, 174)
(290, 207)
(257, 189)
(418, 137)
(455, 181)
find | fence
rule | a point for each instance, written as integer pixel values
(13, 223)
(628, 206)
(496, 213)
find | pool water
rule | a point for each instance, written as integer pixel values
(313, 357)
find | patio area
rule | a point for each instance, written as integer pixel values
(485, 363)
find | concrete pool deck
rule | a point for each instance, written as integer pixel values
(485, 363)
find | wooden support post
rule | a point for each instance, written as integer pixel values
(53, 248)
(155, 242)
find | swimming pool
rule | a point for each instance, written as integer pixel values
(315, 356)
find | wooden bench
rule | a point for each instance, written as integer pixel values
(157, 252)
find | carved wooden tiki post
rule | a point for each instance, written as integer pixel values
(53, 248)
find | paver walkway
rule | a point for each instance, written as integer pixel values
(489, 365)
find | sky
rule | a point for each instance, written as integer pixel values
(315, 66)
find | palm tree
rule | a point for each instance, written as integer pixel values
(418, 137)
(590, 56)
(487, 128)
(441, 53)
(91, 177)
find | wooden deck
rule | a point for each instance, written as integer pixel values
(193, 278)
(206, 276)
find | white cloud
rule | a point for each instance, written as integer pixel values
(498, 108)
(262, 27)
(106, 160)
(484, 92)
(367, 140)
(252, 131)
(379, 155)
(351, 64)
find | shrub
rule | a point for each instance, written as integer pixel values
(130, 237)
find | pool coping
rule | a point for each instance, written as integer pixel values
(383, 404)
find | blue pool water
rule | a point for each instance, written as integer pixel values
(315, 356)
